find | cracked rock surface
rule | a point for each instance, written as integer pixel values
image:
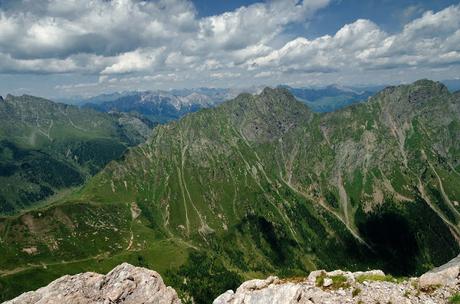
(125, 284)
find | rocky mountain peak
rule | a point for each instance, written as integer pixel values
(267, 116)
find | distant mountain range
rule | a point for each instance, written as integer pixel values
(164, 106)
(332, 98)
(158, 106)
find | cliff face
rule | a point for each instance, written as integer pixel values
(125, 284)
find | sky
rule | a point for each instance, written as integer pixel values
(63, 48)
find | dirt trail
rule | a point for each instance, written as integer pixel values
(4, 273)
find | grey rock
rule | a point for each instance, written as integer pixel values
(274, 290)
(125, 284)
(445, 275)
(314, 274)
(327, 282)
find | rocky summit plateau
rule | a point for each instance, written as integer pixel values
(127, 284)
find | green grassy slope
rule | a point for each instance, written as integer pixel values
(261, 185)
(46, 147)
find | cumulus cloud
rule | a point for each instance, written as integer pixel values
(151, 40)
(432, 39)
(64, 27)
(249, 26)
(130, 33)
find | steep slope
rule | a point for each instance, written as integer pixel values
(268, 156)
(45, 147)
(258, 185)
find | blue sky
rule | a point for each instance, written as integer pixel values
(57, 48)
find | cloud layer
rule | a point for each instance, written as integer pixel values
(167, 41)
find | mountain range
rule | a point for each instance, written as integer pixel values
(159, 106)
(257, 185)
(165, 106)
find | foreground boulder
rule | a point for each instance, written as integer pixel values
(445, 275)
(125, 284)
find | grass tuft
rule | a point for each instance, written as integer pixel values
(455, 299)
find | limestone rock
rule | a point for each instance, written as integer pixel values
(314, 274)
(376, 289)
(445, 275)
(125, 284)
(327, 282)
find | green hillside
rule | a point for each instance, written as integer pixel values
(46, 147)
(261, 185)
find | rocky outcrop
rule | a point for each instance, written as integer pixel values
(321, 287)
(445, 275)
(125, 284)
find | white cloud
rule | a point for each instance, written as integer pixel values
(136, 61)
(431, 39)
(150, 42)
(249, 26)
(224, 75)
(64, 27)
